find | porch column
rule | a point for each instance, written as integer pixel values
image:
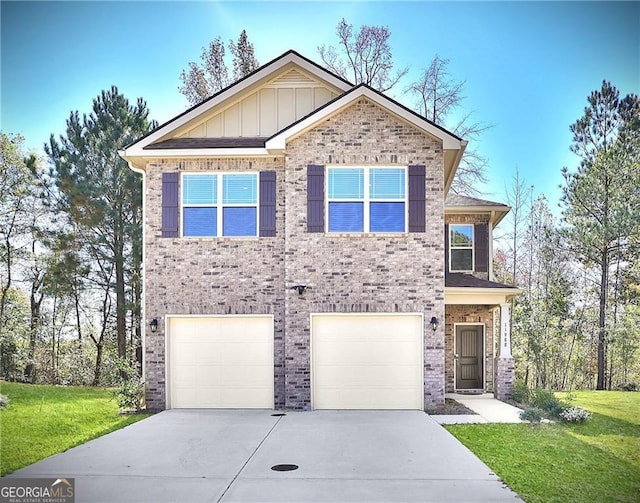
(505, 330)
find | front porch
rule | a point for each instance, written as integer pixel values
(477, 336)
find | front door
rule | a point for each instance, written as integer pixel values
(469, 357)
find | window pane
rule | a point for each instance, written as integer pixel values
(387, 217)
(346, 217)
(239, 189)
(199, 221)
(461, 260)
(239, 221)
(346, 183)
(386, 183)
(462, 235)
(199, 189)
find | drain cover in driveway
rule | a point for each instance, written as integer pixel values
(284, 468)
(279, 414)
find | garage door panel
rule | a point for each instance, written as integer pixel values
(370, 352)
(367, 361)
(221, 362)
(373, 399)
(368, 376)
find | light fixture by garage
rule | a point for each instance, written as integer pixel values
(434, 323)
(300, 288)
(154, 325)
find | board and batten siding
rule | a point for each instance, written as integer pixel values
(267, 110)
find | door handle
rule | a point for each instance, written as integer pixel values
(456, 355)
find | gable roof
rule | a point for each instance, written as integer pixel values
(164, 141)
(458, 203)
(245, 82)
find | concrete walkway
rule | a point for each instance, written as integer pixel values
(487, 410)
(228, 455)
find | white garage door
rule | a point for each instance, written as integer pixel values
(371, 361)
(220, 362)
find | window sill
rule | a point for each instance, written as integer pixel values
(366, 234)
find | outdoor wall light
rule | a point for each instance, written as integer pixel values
(154, 325)
(300, 288)
(434, 323)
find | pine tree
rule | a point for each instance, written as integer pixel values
(101, 196)
(601, 199)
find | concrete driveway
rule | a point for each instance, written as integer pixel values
(214, 455)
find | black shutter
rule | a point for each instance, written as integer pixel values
(315, 198)
(481, 235)
(416, 199)
(446, 248)
(170, 209)
(267, 204)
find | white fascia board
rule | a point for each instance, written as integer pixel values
(195, 152)
(208, 105)
(482, 296)
(279, 140)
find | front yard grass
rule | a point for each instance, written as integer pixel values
(44, 420)
(595, 461)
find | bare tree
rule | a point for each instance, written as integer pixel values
(211, 75)
(437, 96)
(244, 58)
(362, 57)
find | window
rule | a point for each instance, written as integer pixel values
(219, 204)
(366, 199)
(461, 248)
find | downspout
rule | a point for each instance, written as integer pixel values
(143, 309)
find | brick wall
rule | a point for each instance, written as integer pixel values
(505, 377)
(347, 273)
(210, 275)
(476, 314)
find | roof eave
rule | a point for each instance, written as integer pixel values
(279, 140)
(262, 73)
(498, 212)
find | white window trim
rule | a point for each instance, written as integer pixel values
(473, 248)
(366, 199)
(220, 205)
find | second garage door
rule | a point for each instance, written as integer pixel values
(220, 362)
(367, 361)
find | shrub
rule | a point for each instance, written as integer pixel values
(521, 392)
(575, 415)
(547, 401)
(532, 415)
(629, 386)
(129, 392)
(4, 401)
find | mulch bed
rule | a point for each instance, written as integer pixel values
(451, 408)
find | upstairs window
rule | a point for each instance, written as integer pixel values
(461, 248)
(219, 204)
(366, 199)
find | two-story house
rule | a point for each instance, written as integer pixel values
(302, 250)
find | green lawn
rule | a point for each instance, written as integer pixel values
(596, 461)
(44, 420)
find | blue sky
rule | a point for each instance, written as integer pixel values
(528, 66)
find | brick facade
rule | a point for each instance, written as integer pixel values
(346, 273)
(505, 378)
